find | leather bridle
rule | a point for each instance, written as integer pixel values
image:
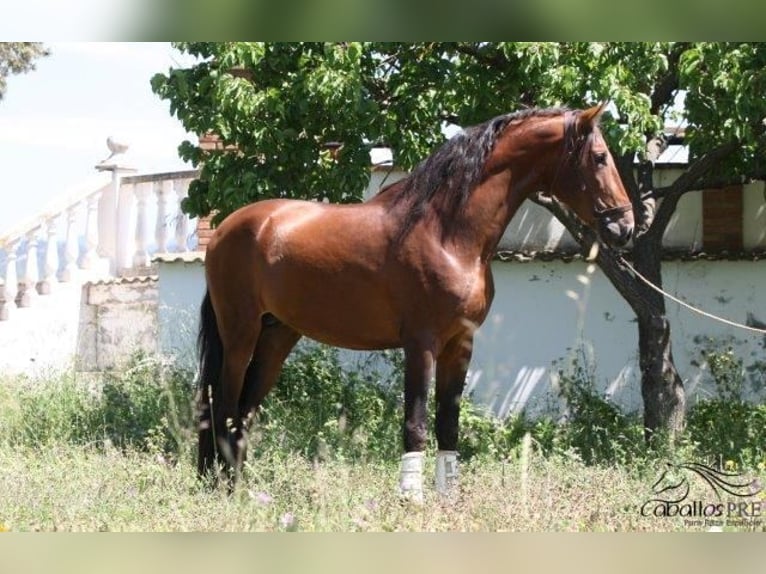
(610, 212)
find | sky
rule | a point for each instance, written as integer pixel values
(54, 121)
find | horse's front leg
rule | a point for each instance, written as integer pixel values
(418, 371)
(451, 369)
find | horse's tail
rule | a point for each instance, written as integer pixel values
(210, 351)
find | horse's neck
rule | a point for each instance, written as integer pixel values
(490, 209)
(518, 169)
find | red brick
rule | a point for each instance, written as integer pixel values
(204, 232)
(722, 219)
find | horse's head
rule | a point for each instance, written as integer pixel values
(586, 178)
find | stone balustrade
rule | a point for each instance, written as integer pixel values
(113, 230)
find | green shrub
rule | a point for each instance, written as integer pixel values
(726, 427)
(482, 434)
(724, 430)
(146, 405)
(149, 403)
(41, 412)
(594, 427)
(321, 410)
(728, 373)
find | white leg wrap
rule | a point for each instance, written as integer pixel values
(411, 482)
(446, 471)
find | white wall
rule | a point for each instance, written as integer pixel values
(88, 326)
(536, 321)
(546, 313)
(118, 318)
(42, 338)
(754, 215)
(181, 288)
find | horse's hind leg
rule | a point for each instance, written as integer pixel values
(239, 336)
(274, 345)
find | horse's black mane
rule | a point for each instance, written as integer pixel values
(446, 178)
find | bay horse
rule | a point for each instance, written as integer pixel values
(409, 268)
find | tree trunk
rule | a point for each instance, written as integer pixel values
(661, 386)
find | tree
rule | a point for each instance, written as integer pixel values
(17, 58)
(302, 117)
(283, 106)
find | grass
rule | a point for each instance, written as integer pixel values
(75, 488)
(65, 487)
(117, 454)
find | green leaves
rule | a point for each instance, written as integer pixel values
(18, 58)
(276, 109)
(299, 118)
(725, 83)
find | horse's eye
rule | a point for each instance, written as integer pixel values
(600, 158)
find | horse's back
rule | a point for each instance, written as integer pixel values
(279, 228)
(250, 218)
(319, 268)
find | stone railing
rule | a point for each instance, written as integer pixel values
(150, 220)
(111, 229)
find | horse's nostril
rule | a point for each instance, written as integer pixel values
(617, 233)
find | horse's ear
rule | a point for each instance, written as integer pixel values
(588, 119)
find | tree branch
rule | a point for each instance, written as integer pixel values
(638, 179)
(609, 260)
(698, 175)
(662, 216)
(495, 60)
(695, 174)
(692, 179)
(625, 167)
(714, 182)
(667, 86)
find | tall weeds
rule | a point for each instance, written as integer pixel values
(323, 411)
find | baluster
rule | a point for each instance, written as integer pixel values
(141, 256)
(31, 273)
(21, 293)
(91, 232)
(71, 248)
(182, 221)
(11, 287)
(163, 190)
(51, 258)
(107, 222)
(124, 212)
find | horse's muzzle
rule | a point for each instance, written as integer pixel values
(617, 231)
(616, 224)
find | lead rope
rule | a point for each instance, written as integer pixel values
(691, 307)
